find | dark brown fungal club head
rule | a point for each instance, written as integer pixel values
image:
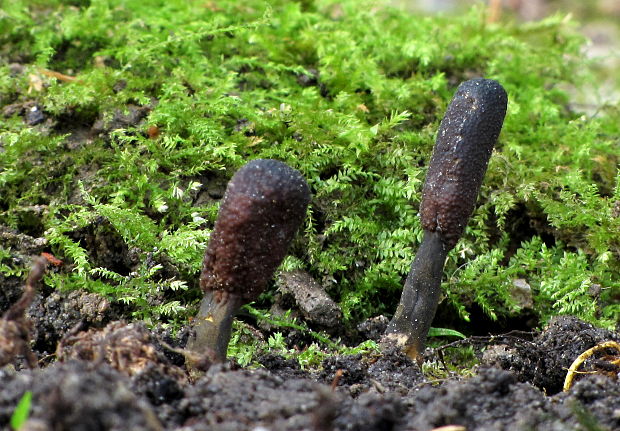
(264, 205)
(465, 141)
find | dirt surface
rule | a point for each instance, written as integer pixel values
(118, 378)
(99, 373)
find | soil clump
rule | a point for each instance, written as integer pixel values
(124, 376)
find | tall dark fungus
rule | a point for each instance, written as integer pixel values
(264, 205)
(465, 141)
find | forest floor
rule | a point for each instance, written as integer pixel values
(97, 372)
(120, 376)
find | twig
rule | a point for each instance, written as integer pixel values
(514, 335)
(495, 11)
(572, 371)
(15, 327)
(58, 75)
(336, 379)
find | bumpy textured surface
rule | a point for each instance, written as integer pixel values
(76, 396)
(464, 145)
(264, 204)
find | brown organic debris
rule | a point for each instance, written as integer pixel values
(129, 348)
(15, 327)
(313, 301)
(60, 76)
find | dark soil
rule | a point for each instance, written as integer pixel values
(100, 373)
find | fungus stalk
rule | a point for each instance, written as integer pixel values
(465, 141)
(264, 205)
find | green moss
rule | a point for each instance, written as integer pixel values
(349, 93)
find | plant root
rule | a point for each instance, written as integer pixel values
(573, 370)
(15, 327)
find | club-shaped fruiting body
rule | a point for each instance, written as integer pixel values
(465, 141)
(264, 205)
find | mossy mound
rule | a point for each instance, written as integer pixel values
(123, 119)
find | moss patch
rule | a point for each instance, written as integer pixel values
(160, 101)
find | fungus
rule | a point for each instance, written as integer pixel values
(263, 206)
(465, 141)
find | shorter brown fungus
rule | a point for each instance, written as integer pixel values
(264, 205)
(465, 141)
